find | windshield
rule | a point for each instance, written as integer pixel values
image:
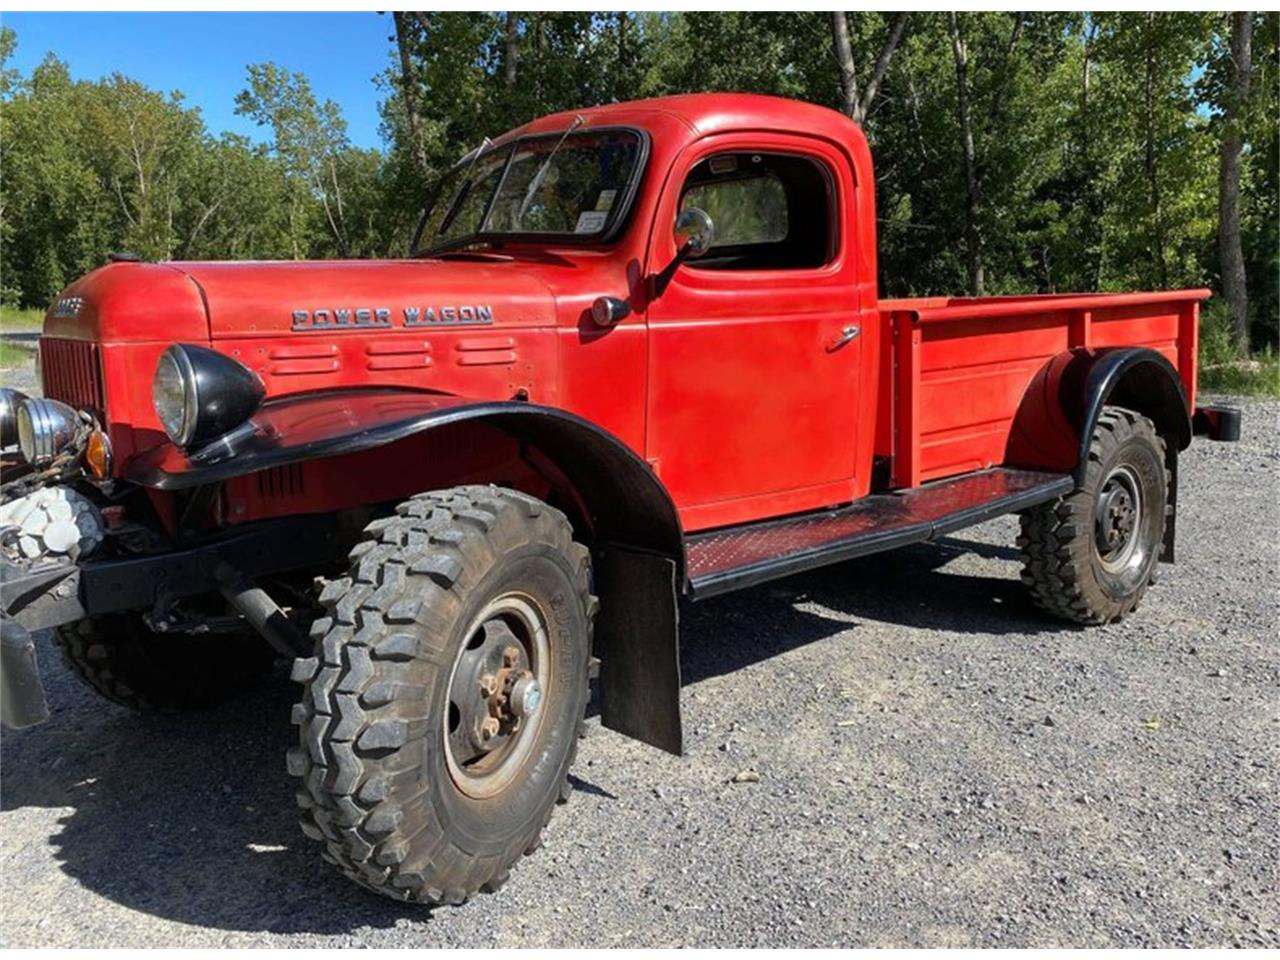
(513, 189)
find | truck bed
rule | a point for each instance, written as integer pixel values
(959, 368)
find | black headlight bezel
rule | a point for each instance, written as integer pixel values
(219, 393)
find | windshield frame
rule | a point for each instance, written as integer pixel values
(616, 224)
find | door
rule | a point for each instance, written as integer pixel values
(754, 351)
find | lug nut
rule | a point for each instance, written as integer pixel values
(488, 685)
(511, 656)
(489, 729)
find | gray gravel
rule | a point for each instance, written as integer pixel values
(938, 766)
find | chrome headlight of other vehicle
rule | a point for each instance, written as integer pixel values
(200, 394)
(46, 428)
(10, 400)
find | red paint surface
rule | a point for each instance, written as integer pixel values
(726, 384)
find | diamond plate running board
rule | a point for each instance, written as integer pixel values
(719, 561)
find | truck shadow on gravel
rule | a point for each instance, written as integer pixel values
(192, 819)
(905, 587)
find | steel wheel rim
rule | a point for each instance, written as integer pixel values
(489, 773)
(1118, 520)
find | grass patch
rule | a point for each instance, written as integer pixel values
(18, 318)
(1256, 377)
(13, 356)
(1222, 369)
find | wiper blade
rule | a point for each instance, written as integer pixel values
(536, 182)
(464, 186)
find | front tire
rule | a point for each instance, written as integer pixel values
(1089, 556)
(441, 712)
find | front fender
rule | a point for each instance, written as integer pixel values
(635, 531)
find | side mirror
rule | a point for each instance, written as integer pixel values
(694, 233)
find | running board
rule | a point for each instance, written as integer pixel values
(719, 561)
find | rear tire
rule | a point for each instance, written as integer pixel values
(121, 658)
(1089, 556)
(405, 800)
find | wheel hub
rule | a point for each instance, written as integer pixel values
(1117, 517)
(495, 694)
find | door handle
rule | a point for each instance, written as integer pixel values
(847, 334)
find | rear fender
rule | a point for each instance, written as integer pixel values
(626, 515)
(1055, 421)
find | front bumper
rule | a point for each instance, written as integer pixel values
(61, 593)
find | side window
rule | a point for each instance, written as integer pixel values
(745, 211)
(771, 211)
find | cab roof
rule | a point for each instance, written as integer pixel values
(703, 114)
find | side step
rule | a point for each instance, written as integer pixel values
(735, 557)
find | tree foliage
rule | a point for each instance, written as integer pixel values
(1094, 159)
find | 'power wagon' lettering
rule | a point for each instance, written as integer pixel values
(361, 318)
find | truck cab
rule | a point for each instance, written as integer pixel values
(636, 357)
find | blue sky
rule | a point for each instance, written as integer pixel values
(204, 55)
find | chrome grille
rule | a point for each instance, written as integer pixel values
(71, 371)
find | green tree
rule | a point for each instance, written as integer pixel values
(309, 137)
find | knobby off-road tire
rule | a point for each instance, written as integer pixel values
(381, 788)
(119, 657)
(1078, 560)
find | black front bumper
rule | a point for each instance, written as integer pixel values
(56, 594)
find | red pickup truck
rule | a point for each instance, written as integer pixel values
(635, 356)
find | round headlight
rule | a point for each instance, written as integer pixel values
(200, 394)
(10, 400)
(173, 391)
(45, 429)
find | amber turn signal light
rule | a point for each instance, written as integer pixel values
(97, 454)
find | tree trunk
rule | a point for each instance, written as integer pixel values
(1230, 252)
(973, 241)
(882, 65)
(1150, 160)
(1089, 187)
(408, 87)
(854, 106)
(844, 60)
(512, 58)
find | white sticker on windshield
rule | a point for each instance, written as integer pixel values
(591, 221)
(605, 200)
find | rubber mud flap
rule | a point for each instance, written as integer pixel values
(22, 702)
(637, 640)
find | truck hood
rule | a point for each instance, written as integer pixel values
(277, 298)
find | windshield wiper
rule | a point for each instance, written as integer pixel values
(464, 187)
(435, 198)
(536, 182)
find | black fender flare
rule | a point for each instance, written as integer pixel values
(638, 542)
(1055, 421)
(1139, 379)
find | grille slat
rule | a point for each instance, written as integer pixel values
(71, 371)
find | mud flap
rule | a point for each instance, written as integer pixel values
(638, 643)
(22, 702)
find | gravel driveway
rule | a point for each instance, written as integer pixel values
(938, 766)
